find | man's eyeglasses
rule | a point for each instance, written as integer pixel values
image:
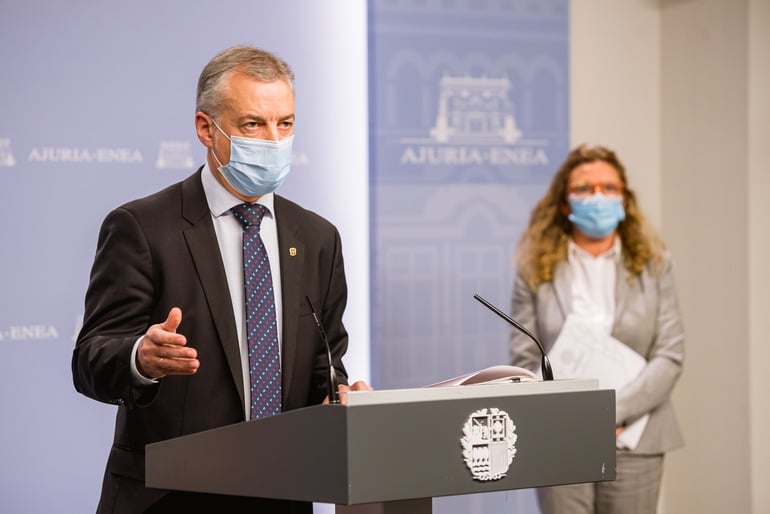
(584, 189)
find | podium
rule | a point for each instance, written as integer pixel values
(392, 451)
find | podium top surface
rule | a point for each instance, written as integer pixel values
(426, 394)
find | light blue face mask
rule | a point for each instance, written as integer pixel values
(597, 216)
(257, 167)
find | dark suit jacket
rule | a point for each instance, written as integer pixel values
(159, 252)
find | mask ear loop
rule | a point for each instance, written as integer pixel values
(218, 127)
(212, 139)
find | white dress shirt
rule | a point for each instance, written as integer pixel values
(593, 284)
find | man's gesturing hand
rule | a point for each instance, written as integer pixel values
(163, 352)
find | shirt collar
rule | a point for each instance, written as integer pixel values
(221, 200)
(575, 252)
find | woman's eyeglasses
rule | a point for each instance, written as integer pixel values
(584, 189)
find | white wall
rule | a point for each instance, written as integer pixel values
(680, 89)
(705, 191)
(759, 249)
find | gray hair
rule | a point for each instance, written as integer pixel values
(254, 62)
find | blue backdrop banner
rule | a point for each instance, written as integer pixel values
(469, 117)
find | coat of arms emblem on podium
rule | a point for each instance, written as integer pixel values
(489, 443)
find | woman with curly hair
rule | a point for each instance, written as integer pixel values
(589, 252)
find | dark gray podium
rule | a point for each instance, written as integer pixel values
(391, 452)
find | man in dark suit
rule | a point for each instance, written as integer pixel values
(167, 334)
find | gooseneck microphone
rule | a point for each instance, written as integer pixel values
(545, 364)
(334, 395)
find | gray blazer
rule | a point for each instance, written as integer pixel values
(647, 319)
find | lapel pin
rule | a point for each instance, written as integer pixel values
(293, 251)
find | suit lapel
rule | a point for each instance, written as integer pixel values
(292, 259)
(562, 287)
(204, 249)
(622, 289)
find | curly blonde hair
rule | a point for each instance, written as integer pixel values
(544, 244)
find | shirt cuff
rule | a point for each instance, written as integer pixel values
(138, 378)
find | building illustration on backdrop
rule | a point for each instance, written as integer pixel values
(474, 125)
(475, 110)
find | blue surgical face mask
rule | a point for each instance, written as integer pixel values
(257, 166)
(597, 216)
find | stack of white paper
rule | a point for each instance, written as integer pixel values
(584, 349)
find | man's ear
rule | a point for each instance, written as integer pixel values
(204, 128)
